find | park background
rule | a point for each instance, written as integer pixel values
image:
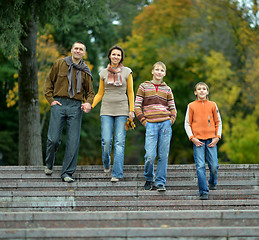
(215, 41)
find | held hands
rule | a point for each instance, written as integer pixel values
(86, 107)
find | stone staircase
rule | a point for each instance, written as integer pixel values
(36, 206)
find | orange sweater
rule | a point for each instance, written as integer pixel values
(202, 120)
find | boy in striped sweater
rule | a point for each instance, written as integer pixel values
(155, 109)
(203, 126)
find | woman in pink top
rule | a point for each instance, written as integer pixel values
(117, 95)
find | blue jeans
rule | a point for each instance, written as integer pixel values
(108, 123)
(208, 154)
(158, 137)
(70, 113)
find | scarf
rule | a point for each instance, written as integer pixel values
(79, 67)
(114, 76)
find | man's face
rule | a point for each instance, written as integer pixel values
(78, 51)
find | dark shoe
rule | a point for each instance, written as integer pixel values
(204, 196)
(48, 171)
(68, 179)
(148, 185)
(212, 187)
(160, 188)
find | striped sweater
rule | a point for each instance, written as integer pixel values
(155, 105)
(202, 120)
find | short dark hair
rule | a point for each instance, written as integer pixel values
(118, 48)
(78, 42)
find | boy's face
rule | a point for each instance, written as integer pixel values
(158, 73)
(201, 92)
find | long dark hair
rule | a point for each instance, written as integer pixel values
(118, 48)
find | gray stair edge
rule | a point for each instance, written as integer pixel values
(130, 215)
(120, 193)
(135, 203)
(139, 176)
(132, 232)
(77, 183)
(132, 167)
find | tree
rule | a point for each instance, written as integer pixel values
(9, 113)
(210, 41)
(123, 16)
(19, 21)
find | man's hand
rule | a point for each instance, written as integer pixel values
(86, 107)
(55, 103)
(197, 142)
(213, 142)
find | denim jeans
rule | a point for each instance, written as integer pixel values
(158, 137)
(116, 124)
(70, 113)
(208, 154)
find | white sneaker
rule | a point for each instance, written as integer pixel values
(114, 179)
(68, 179)
(48, 171)
(107, 170)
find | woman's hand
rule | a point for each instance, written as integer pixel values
(131, 115)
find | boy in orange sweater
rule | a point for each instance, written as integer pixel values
(204, 127)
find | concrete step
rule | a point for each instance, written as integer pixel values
(194, 233)
(27, 188)
(80, 184)
(218, 224)
(101, 177)
(69, 204)
(133, 168)
(106, 219)
(122, 195)
(36, 206)
(176, 173)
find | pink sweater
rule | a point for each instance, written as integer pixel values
(155, 105)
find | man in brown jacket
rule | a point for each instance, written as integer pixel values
(67, 86)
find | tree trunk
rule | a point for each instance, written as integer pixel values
(30, 150)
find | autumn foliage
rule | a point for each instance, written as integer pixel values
(214, 41)
(210, 41)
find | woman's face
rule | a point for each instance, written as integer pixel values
(115, 57)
